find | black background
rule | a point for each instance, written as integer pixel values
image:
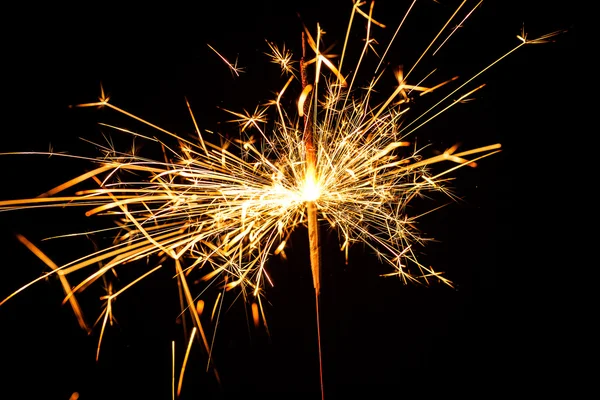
(498, 245)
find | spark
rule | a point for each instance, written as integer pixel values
(219, 212)
(63, 280)
(173, 370)
(282, 57)
(255, 316)
(460, 24)
(233, 67)
(247, 120)
(187, 354)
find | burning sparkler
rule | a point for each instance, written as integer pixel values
(342, 158)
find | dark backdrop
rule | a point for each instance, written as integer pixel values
(498, 244)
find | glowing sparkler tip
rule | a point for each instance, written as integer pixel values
(311, 191)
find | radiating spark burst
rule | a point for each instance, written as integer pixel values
(235, 70)
(221, 211)
(282, 57)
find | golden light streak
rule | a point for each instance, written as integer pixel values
(524, 41)
(255, 317)
(194, 314)
(439, 85)
(464, 96)
(369, 17)
(383, 107)
(333, 69)
(262, 313)
(173, 370)
(196, 127)
(212, 315)
(348, 30)
(200, 307)
(77, 180)
(279, 248)
(394, 36)
(139, 278)
(107, 316)
(233, 67)
(212, 343)
(460, 24)
(302, 99)
(185, 359)
(63, 280)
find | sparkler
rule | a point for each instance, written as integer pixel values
(342, 158)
